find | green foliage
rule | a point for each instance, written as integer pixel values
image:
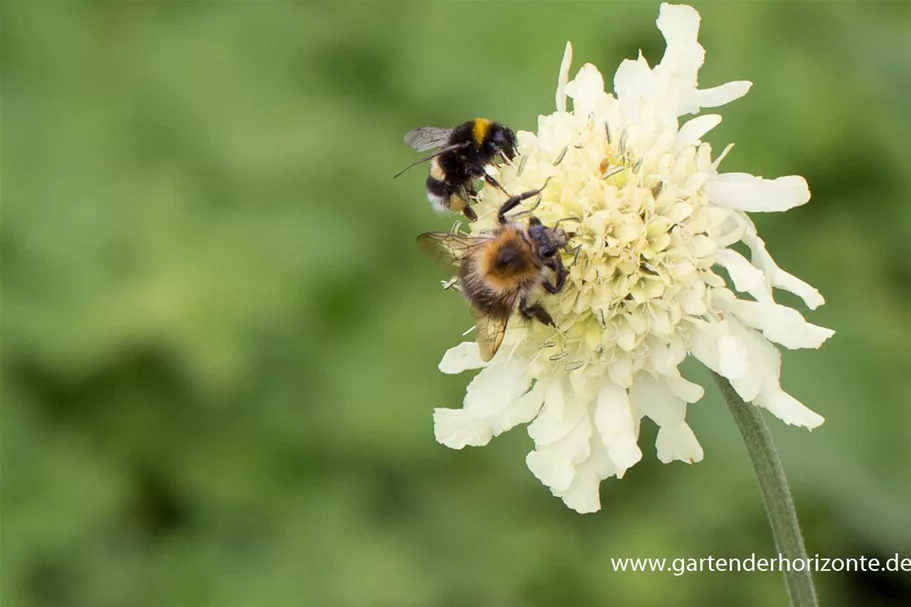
(220, 343)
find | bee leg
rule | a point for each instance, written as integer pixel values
(535, 312)
(494, 183)
(469, 213)
(555, 264)
(575, 251)
(514, 201)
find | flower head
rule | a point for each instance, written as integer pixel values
(654, 223)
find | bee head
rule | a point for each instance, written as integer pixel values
(546, 241)
(502, 140)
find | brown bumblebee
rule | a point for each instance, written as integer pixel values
(498, 273)
(466, 150)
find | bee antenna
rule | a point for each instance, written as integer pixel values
(432, 156)
(559, 221)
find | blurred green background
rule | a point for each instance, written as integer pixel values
(220, 342)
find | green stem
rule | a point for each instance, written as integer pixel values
(775, 493)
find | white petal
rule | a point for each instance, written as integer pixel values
(583, 495)
(746, 277)
(677, 442)
(781, 279)
(562, 422)
(520, 411)
(693, 131)
(655, 399)
(493, 403)
(496, 386)
(788, 409)
(665, 358)
(742, 366)
(732, 357)
(679, 67)
(621, 371)
(685, 390)
(722, 155)
(563, 77)
(764, 360)
(574, 447)
(552, 423)
(462, 357)
(723, 94)
(586, 89)
(632, 82)
(555, 473)
(704, 344)
(746, 192)
(555, 464)
(616, 426)
(778, 323)
(679, 23)
(457, 428)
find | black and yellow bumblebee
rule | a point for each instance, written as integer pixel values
(466, 151)
(499, 272)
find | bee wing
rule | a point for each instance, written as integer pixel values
(447, 249)
(427, 138)
(490, 332)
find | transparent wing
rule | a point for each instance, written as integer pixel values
(490, 332)
(427, 138)
(447, 249)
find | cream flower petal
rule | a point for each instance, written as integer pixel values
(778, 277)
(746, 277)
(586, 89)
(557, 473)
(616, 426)
(555, 464)
(788, 409)
(582, 495)
(563, 77)
(521, 411)
(718, 348)
(695, 129)
(632, 82)
(685, 390)
(723, 94)
(746, 192)
(676, 440)
(778, 323)
(679, 24)
(457, 429)
(461, 358)
(492, 405)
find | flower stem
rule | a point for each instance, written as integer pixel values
(775, 493)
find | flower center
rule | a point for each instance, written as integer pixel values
(638, 250)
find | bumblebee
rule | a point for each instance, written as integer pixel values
(465, 152)
(498, 273)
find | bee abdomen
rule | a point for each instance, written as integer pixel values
(438, 193)
(444, 197)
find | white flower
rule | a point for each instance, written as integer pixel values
(656, 223)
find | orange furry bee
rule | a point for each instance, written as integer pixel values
(498, 273)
